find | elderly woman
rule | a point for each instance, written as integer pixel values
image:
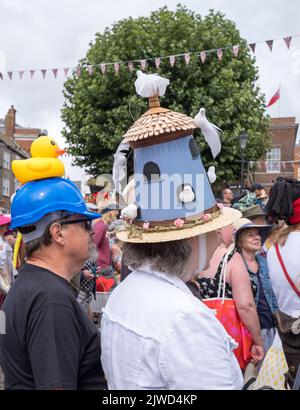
(249, 239)
(156, 334)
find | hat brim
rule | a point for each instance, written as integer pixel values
(227, 217)
(262, 229)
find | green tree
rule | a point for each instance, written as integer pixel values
(99, 108)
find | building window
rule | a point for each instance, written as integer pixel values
(5, 186)
(273, 160)
(151, 172)
(17, 184)
(6, 160)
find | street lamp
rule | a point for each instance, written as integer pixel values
(243, 143)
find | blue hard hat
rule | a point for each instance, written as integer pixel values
(38, 198)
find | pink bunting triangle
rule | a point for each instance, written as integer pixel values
(103, 68)
(143, 64)
(157, 62)
(66, 70)
(270, 44)
(10, 74)
(235, 50)
(287, 41)
(203, 56)
(90, 69)
(54, 71)
(21, 73)
(172, 60)
(32, 72)
(43, 73)
(78, 71)
(187, 58)
(130, 66)
(220, 54)
(117, 67)
(252, 46)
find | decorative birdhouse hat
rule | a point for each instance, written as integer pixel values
(173, 198)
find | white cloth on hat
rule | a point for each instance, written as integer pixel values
(156, 335)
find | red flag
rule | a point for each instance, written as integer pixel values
(275, 97)
(288, 41)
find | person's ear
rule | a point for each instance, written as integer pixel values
(57, 233)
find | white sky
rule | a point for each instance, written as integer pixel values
(38, 34)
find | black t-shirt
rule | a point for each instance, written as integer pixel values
(50, 343)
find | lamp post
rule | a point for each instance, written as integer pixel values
(243, 143)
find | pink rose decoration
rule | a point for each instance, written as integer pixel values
(179, 223)
(146, 225)
(206, 217)
(220, 206)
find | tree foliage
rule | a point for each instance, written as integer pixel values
(99, 108)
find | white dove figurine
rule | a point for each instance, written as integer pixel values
(130, 212)
(211, 173)
(210, 131)
(187, 194)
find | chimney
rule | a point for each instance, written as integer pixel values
(10, 121)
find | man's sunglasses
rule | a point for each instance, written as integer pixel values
(87, 223)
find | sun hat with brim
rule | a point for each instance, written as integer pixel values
(253, 211)
(4, 220)
(179, 229)
(245, 223)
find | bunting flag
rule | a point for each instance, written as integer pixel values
(187, 58)
(143, 64)
(270, 44)
(32, 72)
(117, 68)
(21, 73)
(157, 62)
(203, 56)
(1, 76)
(10, 74)
(284, 165)
(78, 71)
(54, 71)
(103, 68)
(44, 73)
(90, 69)
(252, 46)
(275, 98)
(235, 50)
(172, 61)
(130, 66)
(287, 41)
(66, 70)
(220, 54)
(266, 165)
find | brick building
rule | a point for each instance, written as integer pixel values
(15, 143)
(283, 133)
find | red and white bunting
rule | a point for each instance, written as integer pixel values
(43, 73)
(32, 72)
(21, 73)
(235, 50)
(55, 71)
(220, 54)
(203, 57)
(66, 70)
(252, 46)
(172, 60)
(103, 68)
(157, 62)
(270, 44)
(78, 71)
(143, 64)
(130, 66)
(117, 68)
(287, 41)
(10, 74)
(90, 69)
(187, 58)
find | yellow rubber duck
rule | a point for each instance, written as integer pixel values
(43, 164)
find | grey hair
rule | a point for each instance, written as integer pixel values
(168, 257)
(36, 244)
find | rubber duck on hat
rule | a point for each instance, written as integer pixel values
(43, 164)
(173, 197)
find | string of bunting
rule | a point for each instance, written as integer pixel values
(142, 63)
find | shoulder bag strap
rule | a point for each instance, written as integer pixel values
(285, 271)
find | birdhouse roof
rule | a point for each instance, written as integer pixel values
(158, 125)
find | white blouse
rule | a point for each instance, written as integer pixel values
(156, 335)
